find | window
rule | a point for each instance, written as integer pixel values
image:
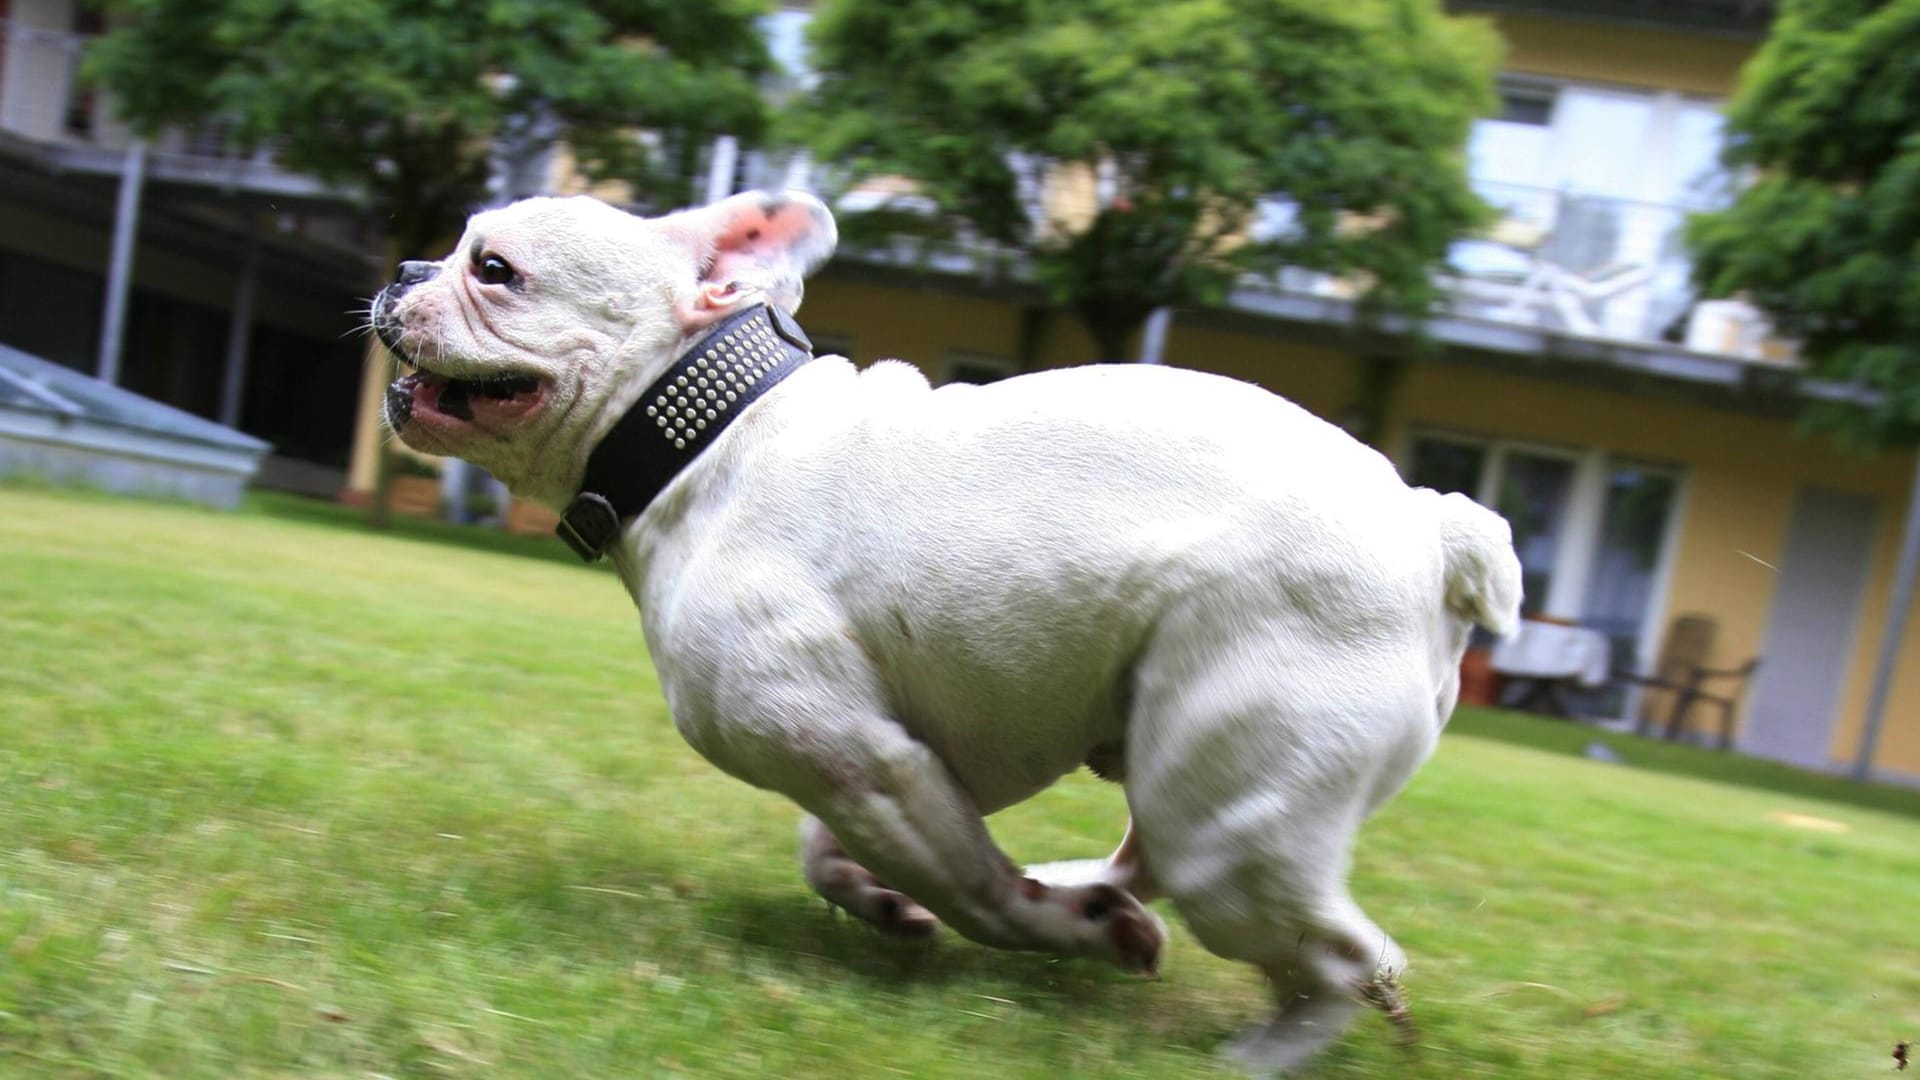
(89, 22)
(1591, 530)
(1530, 487)
(1626, 562)
(1526, 105)
(1512, 147)
(49, 310)
(1446, 465)
(1532, 494)
(1592, 184)
(1606, 142)
(785, 32)
(1699, 181)
(974, 368)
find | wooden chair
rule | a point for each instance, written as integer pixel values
(1682, 672)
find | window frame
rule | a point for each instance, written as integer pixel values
(1575, 559)
(955, 358)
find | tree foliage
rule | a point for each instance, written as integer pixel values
(1186, 115)
(1826, 239)
(406, 98)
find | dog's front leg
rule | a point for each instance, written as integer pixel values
(899, 811)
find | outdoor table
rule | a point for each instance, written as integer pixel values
(1544, 659)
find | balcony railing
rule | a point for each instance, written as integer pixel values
(1591, 266)
(44, 102)
(1586, 266)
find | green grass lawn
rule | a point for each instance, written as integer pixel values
(279, 797)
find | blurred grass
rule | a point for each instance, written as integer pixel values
(1648, 753)
(284, 798)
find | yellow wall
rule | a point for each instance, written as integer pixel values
(1742, 475)
(924, 326)
(1322, 380)
(369, 430)
(1627, 56)
(919, 325)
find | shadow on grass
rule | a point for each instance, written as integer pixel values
(1563, 737)
(786, 929)
(797, 935)
(602, 891)
(717, 919)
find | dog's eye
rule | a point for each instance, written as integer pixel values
(495, 270)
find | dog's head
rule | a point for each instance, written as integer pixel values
(552, 315)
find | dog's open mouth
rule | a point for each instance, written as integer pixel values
(443, 400)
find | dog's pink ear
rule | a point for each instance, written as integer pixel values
(755, 245)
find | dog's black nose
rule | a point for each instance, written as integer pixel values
(414, 271)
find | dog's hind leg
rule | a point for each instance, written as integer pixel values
(1125, 868)
(1253, 759)
(846, 884)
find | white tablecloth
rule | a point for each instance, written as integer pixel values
(1550, 651)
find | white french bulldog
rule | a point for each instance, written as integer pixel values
(906, 608)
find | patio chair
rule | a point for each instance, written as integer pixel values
(1682, 673)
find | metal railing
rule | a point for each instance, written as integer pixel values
(43, 99)
(1587, 266)
(1583, 264)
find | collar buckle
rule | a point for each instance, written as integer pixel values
(784, 326)
(588, 526)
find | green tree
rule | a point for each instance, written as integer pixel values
(1183, 116)
(1826, 239)
(406, 99)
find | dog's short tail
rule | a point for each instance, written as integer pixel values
(1483, 573)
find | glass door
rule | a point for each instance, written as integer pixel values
(1628, 559)
(1531, 489)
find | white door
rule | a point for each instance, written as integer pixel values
(1816, 604)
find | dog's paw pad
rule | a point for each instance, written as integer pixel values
(893, 913)
(1100, 901)
(1134, 937)
(1137, 938)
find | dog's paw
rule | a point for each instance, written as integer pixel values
(894, 913)
(1123, 929)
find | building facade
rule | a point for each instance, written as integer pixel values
(242, 277)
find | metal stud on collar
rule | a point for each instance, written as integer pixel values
(721, 373)
(682, 411)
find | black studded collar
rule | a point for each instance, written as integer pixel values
(680, 415)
